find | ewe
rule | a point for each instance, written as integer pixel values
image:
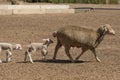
(84, 38)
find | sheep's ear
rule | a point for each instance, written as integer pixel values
(109, 29)
(101, 30)
(105, 28)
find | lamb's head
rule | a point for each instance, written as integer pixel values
(47, 41)
(18, 47)
(106, 29)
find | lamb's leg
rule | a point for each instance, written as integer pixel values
(30, 58)
(56, 49)
(8, 56)
(68, 53)
(44, 53)
(96, 57)
(44, 56)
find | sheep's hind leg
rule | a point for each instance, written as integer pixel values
(68, 53)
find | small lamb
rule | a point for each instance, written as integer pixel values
(33, 47)
(9, 47)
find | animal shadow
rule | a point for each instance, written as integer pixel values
(56, 61)
(62, 61)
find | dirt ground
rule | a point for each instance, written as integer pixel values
(22, 28)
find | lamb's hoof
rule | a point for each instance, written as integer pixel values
(31, 61)
(44, 60)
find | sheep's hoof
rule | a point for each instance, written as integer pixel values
(98, 59)
(54, 59)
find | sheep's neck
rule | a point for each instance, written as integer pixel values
(99, 39)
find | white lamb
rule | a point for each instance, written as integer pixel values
(33, 47)
(9, 47)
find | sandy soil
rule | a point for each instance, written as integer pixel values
(21, 28)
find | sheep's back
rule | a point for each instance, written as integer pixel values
(75, 34)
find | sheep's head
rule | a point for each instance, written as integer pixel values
(109, 29)
(47, 41)
(18, 47)
(106, 29)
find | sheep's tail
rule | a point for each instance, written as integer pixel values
(54, 33)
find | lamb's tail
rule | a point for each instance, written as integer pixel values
(54, 33)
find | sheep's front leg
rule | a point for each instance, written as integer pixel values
(56, 49)
(8, 56)
(68, 53)
(96, 57)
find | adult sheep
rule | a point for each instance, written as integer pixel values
(84, 38)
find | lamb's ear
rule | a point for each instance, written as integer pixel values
(45, 40)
